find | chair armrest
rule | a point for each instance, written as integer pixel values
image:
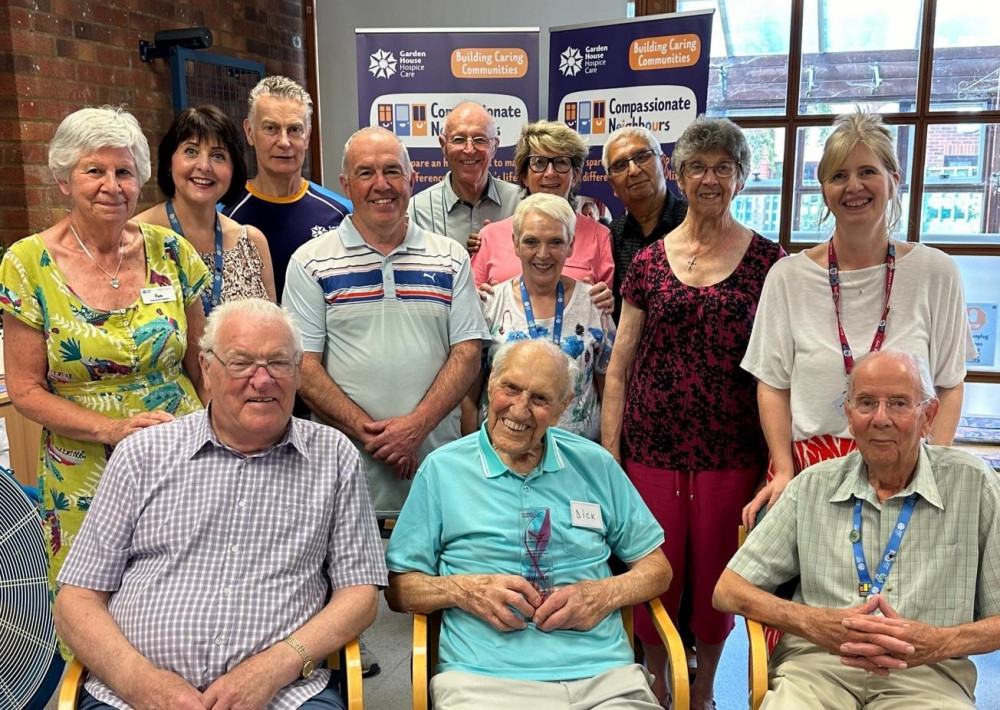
(758, 663)
(421, 663)
(679, 683)
(69, 690)
(352, 663)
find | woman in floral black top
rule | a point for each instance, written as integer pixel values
(679, 413)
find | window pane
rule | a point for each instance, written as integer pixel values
(758, 205)
(867, 56)
(966, 57)
(982, 299)
(809, 207)
(961, 203)
(749, 67)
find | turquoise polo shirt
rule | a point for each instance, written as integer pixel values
(463, 516)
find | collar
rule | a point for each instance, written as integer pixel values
(856, 485)
(204, 435)
(490, 193)
(493, 466)
(351, 238)
(279, 200)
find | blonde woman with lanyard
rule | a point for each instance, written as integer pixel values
(201, 163)
(820, 303)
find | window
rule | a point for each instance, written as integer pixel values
(785, 68)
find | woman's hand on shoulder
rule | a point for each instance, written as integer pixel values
(768, 495)
(118, 429)
(600, 295)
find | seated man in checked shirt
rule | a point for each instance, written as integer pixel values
(898, 548)
(227, 551)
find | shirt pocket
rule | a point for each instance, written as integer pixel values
(299, 537)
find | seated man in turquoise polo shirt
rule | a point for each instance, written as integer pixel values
(509, 530)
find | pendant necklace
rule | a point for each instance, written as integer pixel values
(115, 283)
(693, 261)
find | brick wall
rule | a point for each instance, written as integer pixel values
(60, 55)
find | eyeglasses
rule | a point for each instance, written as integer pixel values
(641, 158)
(894, 406)
(540, 163)
(725, 169)
(478, 142)
(241, 367)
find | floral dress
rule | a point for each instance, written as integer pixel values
(119, 363)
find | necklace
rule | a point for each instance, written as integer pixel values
(693, 261)
(115, 283)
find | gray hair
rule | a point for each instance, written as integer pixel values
(377, 130)
(543, 346)
(707, 134)
(255, 310)
(549, 205)
(283, 88)
(849, 131)
(624, 133)
(920, 373)
(91, 129)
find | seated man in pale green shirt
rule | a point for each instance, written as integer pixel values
(898, 549)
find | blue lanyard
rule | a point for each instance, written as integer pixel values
(529, 314)
(208, 302)
(865, 585)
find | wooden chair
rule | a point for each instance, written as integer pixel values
(757, 662)
(427, 629)
(348, 659)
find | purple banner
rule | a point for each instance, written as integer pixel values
(409, 80)
(650, 71)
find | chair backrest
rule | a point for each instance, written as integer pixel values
(757, 661)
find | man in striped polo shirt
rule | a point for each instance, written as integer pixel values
(392, 326)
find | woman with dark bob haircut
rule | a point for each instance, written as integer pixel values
(200, 163)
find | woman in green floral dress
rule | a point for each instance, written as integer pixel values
(102, 315)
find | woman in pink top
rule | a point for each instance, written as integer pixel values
(549, 158)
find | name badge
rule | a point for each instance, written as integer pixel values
(586, 515)
(158, 294)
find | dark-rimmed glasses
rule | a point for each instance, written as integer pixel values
(540, 163)
(641, 158)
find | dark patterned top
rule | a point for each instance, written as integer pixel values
(689, 405)
(242, 270)
(627, 239)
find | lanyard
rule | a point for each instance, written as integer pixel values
(529, 314)
(207, 301)
(890, 271)
(865, 585)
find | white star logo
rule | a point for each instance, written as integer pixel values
(570, 61)
(383, 64)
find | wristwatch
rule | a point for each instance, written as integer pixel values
(308, 666)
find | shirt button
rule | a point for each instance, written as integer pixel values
(889, 588)
(226, 591)
(235, 548)
(242, 503)
(527, 489)
(218, 640)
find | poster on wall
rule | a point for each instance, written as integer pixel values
(983, 324)
(409, 80)
(650, 71)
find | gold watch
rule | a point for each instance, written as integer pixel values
(308, 666)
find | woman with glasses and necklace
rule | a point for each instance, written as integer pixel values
(549, 158)
(860, 291)
(102, 318)
(542, 302)
(679, 414)
(200, 164)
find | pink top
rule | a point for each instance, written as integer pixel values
(591, 259)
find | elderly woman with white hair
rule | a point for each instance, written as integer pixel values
(103, 317)
(542, 302)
